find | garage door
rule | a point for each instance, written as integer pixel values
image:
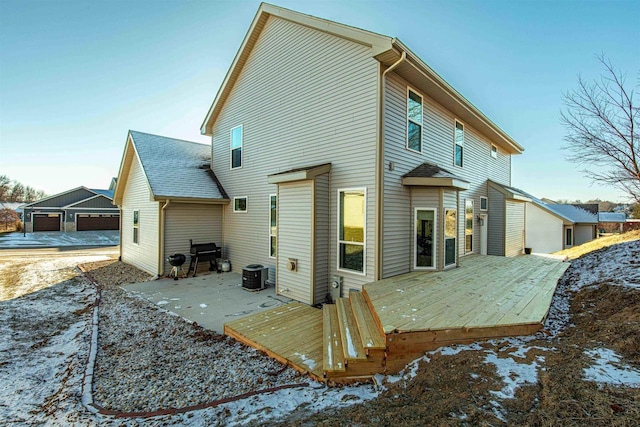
(46, 222)
(98, 222)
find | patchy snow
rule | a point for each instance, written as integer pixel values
(513, 374)
(59, 239)
(608, 369)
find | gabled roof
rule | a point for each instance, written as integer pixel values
(175, 169)
(58, 195)
(387, 50)
(14, 206)
(432, 175)
(84, 201)
(612, 217)
(107, 193)
(575, 214)
(511, 192)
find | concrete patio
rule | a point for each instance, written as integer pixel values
(210, 299)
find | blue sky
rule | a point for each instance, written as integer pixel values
(75, 75)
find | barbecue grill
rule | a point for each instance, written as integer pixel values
(203, 252)
(176, 261)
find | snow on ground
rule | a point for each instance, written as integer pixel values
(608, 369)
(59, 238)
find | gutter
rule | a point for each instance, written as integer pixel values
(161, 239)
(380, 169)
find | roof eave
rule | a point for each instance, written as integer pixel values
(196, 200)
(435, 182)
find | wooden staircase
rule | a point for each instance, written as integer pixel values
(353, 345)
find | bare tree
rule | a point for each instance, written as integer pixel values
(29, 194)
(17, 193)
(602, 124)
(5, 187)
(8, 218)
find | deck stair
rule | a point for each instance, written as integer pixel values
(353, 345)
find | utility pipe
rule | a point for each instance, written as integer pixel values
(161, 239)
(380, 170)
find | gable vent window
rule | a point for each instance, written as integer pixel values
(236, 147)
(136, 226)
(459, 144)
(494, 151)
(414, 121)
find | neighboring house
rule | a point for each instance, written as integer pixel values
(611, 222)
(548, 226)
(14, 206)
(79, 209)
(348, 159)
(167, 194)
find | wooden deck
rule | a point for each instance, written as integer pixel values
(395, 320)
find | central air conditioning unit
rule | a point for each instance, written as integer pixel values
(335, 287)
(254, 277)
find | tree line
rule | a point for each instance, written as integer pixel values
(14, 191)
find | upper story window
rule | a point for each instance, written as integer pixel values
(239, 204)
(236, 147)
(484, 203)
(494, 151)
(351, 229)
(459, 144)
(414, 121)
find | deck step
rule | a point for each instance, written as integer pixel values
(351, 341)
(371, 336)
(332, 351)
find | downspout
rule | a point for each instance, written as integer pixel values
(161, 240)
(380, 169)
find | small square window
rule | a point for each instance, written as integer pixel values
(240, 204)
(484, 203)
(494, 151)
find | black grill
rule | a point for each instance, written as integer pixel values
(203, 252)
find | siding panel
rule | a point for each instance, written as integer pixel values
(322, 213)
(514, 239)
(495, 238)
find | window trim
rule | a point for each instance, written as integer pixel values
(435, 239)
(444, 240)
(364, 237)
(456, 145)
(406, 144)
(246, 204)
(486, 200)
(493, 151)
(568, 232)
(135, 238)
(241, 147)
(275, 256)
(465, 225)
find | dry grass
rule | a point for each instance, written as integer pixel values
(602, 242)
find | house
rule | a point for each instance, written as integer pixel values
(14, 206)
(611, 222)
(167, 194)
(348, 159)
(78, 209)
(548, 226)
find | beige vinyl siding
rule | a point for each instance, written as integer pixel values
(304, 97)
(426, 198)
(438, 148)
(514, 231)
(138, 196)
(322, 253)
(183, 221)
(583, 233)
(295, 221)
(495, 228)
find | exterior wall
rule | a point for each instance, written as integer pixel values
(583, 233)
(304, 98)
(322, 213)
(438, 148)
(514, 228)
(65, 199)
(544, 231)
(496, 226)
(97, 202)
(184, 221)
(70, 226)
(295, 219)
(138, 196)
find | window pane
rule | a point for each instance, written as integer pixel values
(135, 217)
(273, 211)
(414, 136)
(483, 203)
(236, 137)
(450, 223)
(240, 204)
(458, 158)
(414, 108)
(449, 251)
(352, 257)
(459, 133)
(274, 245)
(424, 239)
(236, 158)
(352, 216)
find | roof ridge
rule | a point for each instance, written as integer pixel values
(168, 137)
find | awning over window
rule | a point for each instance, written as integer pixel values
(431, 175)
(299, 174)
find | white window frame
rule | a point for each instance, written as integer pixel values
(246, 204)
(494, 151)
(486, 203)
(270, 234)
(435, 239)
(421, 124)
(455, 143)
(444, 240)
(364, 243)
(135, 238)
(566, 230)
(472, 225)
(241, 147)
